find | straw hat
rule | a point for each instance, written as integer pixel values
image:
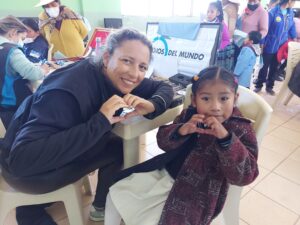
(43, 2)
(235, 1)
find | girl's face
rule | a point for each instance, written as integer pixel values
(215, 98)
(127, 66)
(212, 13)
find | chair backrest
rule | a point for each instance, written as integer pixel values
(255, 108)
(292, 60)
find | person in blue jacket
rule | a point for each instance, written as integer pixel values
(35, 45)
(281, 27)
(247, 58)
(64, 130)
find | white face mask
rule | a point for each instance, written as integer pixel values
(53, 11)
(28, 40)
(21, 43)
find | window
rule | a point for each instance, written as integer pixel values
(163, 8)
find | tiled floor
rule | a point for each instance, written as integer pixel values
(274, 198)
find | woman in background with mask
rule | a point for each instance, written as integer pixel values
(35, 45)
(62, 27)
(254, 18)
(15, 69)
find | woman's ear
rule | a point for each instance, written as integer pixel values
(105, 58)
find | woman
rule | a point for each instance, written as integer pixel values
(254, 18)
(16, 70)
(281, 28)
(230, 10)
(67, 122)
(63, 28)
(35, 45)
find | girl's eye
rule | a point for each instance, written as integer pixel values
(205, 98)
(224, 98)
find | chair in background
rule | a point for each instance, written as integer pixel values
(115, 23)
(292, 60)
(259, 111)
(70, 195)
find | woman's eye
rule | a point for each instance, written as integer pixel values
(143, 68)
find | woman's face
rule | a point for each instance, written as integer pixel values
(31, 33)
(127, 66)
(52, 5)
(16, 37)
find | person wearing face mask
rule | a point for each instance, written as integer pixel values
(281, 28)
(35, 46)
(67, 123)
(254, 18)
(15, 69)
(63, 28)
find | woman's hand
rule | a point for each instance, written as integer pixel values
(141, 106)
(109, 108)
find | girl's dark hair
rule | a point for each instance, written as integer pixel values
(218, 5)
(31, 23)
(10, 22)
(214, 73)
(116, 39)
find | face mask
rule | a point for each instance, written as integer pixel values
(21, 43)
(252, 6)
(53, 11)
(28, 40)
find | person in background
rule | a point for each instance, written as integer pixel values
(67, 123)
(230, 10)
(272, 4)
(35, 45)
(215, 15)
(247, 58)
(209, 146)
(297, 23)
(63, 28)
(281, 27)
(254, 18)
(15, 69)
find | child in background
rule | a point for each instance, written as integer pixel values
(247, 58)
(209, 146)
(215, 15)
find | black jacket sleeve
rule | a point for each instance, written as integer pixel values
(54, 135)
(158, 92)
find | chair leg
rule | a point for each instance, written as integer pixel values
(288, 98)
(3, 214)
(87, 185)
(74, 207)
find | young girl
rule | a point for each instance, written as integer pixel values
(209, 146)
(215, 15)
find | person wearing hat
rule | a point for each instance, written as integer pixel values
(230, 11)
(35, 45)
(62, 27)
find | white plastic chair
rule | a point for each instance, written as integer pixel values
(71, 196)
(258, 110)
(292, 60)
